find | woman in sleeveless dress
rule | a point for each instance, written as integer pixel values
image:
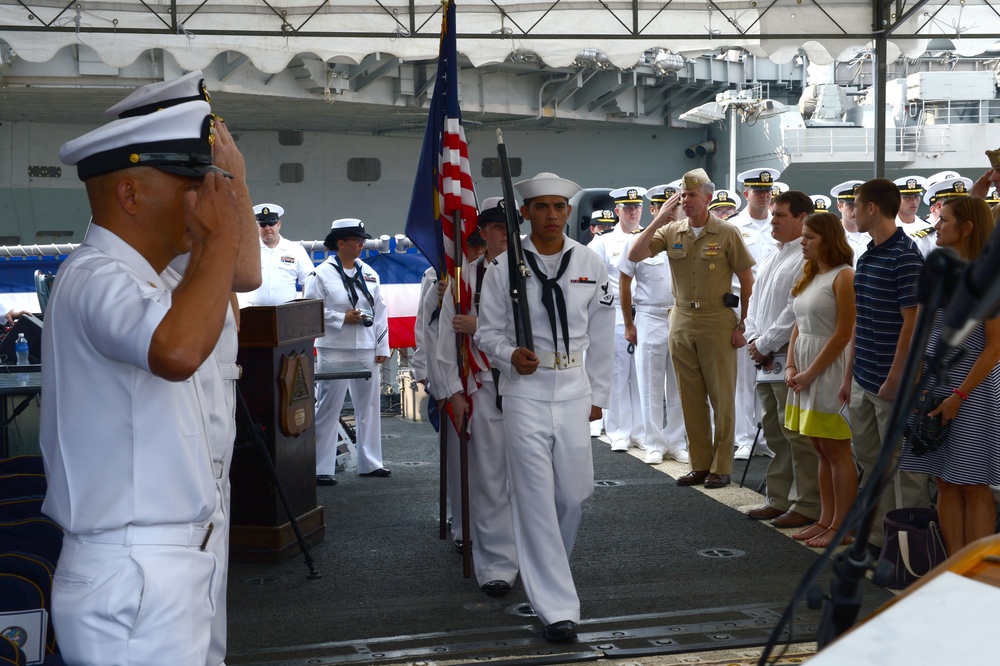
(969, 459)
(817, 355)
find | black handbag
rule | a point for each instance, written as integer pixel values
(913, 544)
(926, 433)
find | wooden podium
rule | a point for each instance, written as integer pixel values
(276, 354)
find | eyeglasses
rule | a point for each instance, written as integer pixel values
(267, 223)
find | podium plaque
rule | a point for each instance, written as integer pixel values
(276, 354)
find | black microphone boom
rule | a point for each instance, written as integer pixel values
(517, 269)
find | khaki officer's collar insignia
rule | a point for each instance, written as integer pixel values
(765, 177)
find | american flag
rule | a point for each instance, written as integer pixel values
(443, 190)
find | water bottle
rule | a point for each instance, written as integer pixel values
(21, 347)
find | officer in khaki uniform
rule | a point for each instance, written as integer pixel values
(704, 253)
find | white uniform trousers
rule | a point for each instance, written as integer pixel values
(493, 551)
(367, 411)
(454, 496)
(747, 403)
(655, 377)
(551, 470)
(120, 605)
(623, 417)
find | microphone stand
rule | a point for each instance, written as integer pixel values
(840, 610)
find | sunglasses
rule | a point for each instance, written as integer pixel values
(268, 223)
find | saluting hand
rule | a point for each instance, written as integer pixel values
(211, 212)
(668, 211)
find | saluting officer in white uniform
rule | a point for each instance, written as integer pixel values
(493, 551)
(357, 331)
(843, 194)
(754, 224)
(623, 420)
(649, 331)
(551, 393)
(128, 431)
(283, 262)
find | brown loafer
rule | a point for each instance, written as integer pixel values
(792, 519)
(717, 481)
(765, 512)
(693, 478)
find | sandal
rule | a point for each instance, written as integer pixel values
(811, 531)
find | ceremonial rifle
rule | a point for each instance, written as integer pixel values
(518, 271)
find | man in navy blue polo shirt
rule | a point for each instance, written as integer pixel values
(885, 284)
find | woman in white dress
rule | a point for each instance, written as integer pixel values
(817, 355)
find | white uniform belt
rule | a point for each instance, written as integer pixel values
(559, 360)
(653, 309)
(151, 535)
(701, 303)
(230, 370)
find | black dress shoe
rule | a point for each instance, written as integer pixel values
(560, 632)
(382, 471)
(496, 588)
(693, 478)
(325, 480)
(460, 545)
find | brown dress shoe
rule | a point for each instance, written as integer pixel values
(693, 478)
(792, 519)
(765, 512)
(717, 481)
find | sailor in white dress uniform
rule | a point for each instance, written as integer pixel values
(754, 224)
(357, 330)
(550, 394)
(493, 551)
(623, 420)
(921, 232)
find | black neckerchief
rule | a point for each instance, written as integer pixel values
(480, 273)
(552, 296)
(350, 282)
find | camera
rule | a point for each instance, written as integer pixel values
(367, 319)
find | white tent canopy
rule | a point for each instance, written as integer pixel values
(270, 33)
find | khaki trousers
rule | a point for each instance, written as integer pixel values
(869, 422)
(705, 367)
(792, 483)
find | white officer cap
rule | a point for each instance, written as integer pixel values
(845, 191)
(950, 187)
(177, 139)
(911, 184)
(778, 188)
(546, 184)
(661, 193)
(821, 202)
(628, 195)
(159, 96)
(724, 199)
(993, 197)
(491, 210)
(941, 175)
(601, 217)
(759, 178)
(268, 211)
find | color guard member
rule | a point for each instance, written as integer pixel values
(550, 394)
